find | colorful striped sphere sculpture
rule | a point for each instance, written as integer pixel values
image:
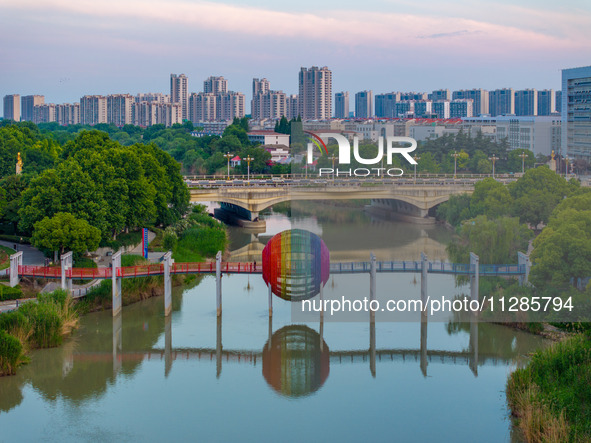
(295, 263)
(296, 361)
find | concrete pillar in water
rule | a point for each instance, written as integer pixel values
(218, 282)
(372, 315)
(117, 327)
(16, 260)
(321, 301)
(168, 261)
(270, 332)
(424, 359)
(270, 301)
(66, 263)
(474, 345)
(424, 271)
(523, 260)
(372, 276)
(218, 348)
(474, 275)
(115, 267)
(167, 345)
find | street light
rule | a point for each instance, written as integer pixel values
(455, 155)
(416, 159)
(523, 156)
(228, 156)
(333, 158)
(494, 159)
(248, 159)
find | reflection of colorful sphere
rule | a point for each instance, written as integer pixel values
(295, 264)
(296, 361)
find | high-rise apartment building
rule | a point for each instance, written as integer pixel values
(203, 107)
(157, 97)
(440, 94)
(260, 86)
(44, 113)
(558, 102)
(406, 96)
(266, 103)
(93, 109)
(119, 109)
(403, 109)
(461, 108)
(546, 102)
(12, 107)
(67, 114)
(179, 92)
(341, 104)
(292, 106)
(28, 102)
(480, 99)
(502, 102)
(385, 104)
(526, 102)
(441, 108)
(215, 85)
(232, 105)
(576, 112)
(423, 108)
(364, 104)
(315, 93)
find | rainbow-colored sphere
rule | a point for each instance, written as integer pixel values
(296, 361)
(295, 263)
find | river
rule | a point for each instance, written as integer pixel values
(192, 376)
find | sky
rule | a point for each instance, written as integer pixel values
(64, 49)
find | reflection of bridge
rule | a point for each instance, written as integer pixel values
(419, 198)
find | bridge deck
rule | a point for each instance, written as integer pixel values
(251, 268)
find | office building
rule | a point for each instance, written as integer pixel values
(364, 104)
(526, 102)
(28, 102)
(558, 101)
(341, 105)
(12, 107)
(576, 112)
(179, 92)
(315, 93)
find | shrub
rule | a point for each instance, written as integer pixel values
(11, 353)
(8, 293)
(46, 323)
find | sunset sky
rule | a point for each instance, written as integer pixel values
(67, 48)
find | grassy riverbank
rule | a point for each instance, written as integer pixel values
(551, 397)
(41, 324)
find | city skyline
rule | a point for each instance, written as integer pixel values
(66, 49)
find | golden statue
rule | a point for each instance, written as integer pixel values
(552, 162)
(19, 164)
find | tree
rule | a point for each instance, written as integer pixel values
(536, 194)
(515, 161)
(490, 198)
(494, 241)
(65, 232)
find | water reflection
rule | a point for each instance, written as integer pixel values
(296, 361)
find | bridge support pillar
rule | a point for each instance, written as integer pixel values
(474, 276)
(372, 315)
(167, 345)
(168, 261)
(66, 262)
(16, 261)
(115, 269)
(523, 260)
(424, 271)
(372, 278)
(321, 301)
(270, 301)
(218, 348)
(424, 362)
(117, 343)
(218, 282)
(474, 345)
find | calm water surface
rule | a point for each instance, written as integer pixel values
(192, 377)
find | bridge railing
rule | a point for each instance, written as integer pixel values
(40, 271)
(89, 273)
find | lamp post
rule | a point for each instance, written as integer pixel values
(493, 159)
(523, 156)
(416, 159)
(248, 159)
(455, 155)
(228, 156)
(333, 158)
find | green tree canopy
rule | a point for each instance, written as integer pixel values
(65, 232)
